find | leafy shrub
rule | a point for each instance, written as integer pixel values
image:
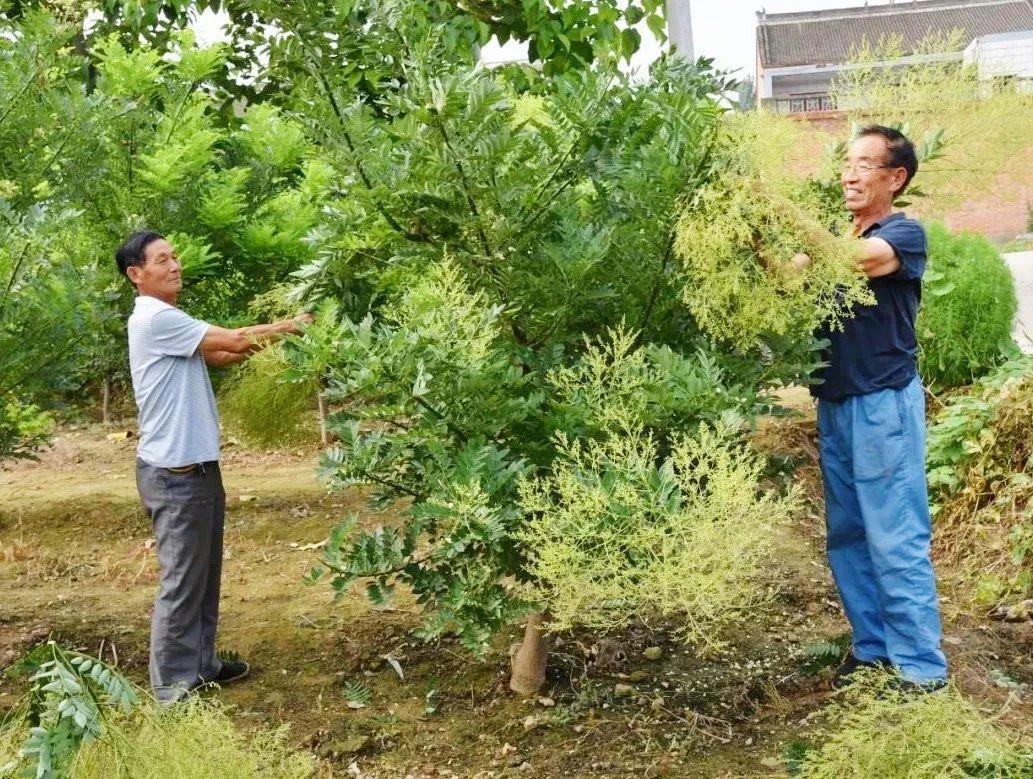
(875, 731)
(24, 428)
(70, 699)
(956, 434)
(260, 405)
(618, 531)
(490, 308)
(979, 465)
(964, 326)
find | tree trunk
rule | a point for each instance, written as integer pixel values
(529, 660)
(321, 410)
(105, 399)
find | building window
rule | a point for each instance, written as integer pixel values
(803, 104)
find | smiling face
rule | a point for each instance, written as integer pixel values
(160, 275)
(870, 183)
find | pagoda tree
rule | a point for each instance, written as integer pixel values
(526, 364)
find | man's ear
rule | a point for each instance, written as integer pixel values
(899, 177)
(133, 274)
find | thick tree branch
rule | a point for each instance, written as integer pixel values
(466, 185)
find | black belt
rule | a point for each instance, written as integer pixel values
(191, 467)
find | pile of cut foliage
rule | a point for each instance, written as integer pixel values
(875, 730)
(981, 480)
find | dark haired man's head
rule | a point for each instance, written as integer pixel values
(151, 265)
(880, 163)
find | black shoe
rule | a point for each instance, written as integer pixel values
(231, 671)
(844, 674)
(908, 688)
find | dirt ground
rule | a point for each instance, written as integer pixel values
(77, 564)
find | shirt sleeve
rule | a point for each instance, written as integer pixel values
(907, 238)
(176, 334)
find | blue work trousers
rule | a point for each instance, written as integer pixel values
(877, 513)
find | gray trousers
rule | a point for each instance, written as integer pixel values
(187, 508)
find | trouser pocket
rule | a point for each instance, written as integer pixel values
(879, 435)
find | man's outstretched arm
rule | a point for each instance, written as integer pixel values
(242, 341)
(878, 258)
(223, 359)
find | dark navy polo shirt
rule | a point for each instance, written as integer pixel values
(877, 348)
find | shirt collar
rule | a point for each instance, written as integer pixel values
(885, 220)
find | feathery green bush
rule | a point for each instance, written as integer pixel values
(619, 532)
(189, 741)
(968, 304)
(738, 233)
(260, 405)
(24, 428)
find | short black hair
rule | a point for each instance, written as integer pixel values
(902, 151)
(132, 251)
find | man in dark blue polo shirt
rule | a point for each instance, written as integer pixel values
(871, 431)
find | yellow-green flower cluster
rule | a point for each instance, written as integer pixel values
(737, 237)
(617, 532)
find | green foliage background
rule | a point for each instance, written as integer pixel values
(978, 465)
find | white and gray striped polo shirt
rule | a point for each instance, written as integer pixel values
(179, 423)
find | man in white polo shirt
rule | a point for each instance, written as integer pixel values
(177, 467)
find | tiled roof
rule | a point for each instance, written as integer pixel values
(828, 37)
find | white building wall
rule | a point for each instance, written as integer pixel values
(1006, 54)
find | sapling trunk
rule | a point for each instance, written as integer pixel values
(105, 398)
(321, 411)
(529, 660)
